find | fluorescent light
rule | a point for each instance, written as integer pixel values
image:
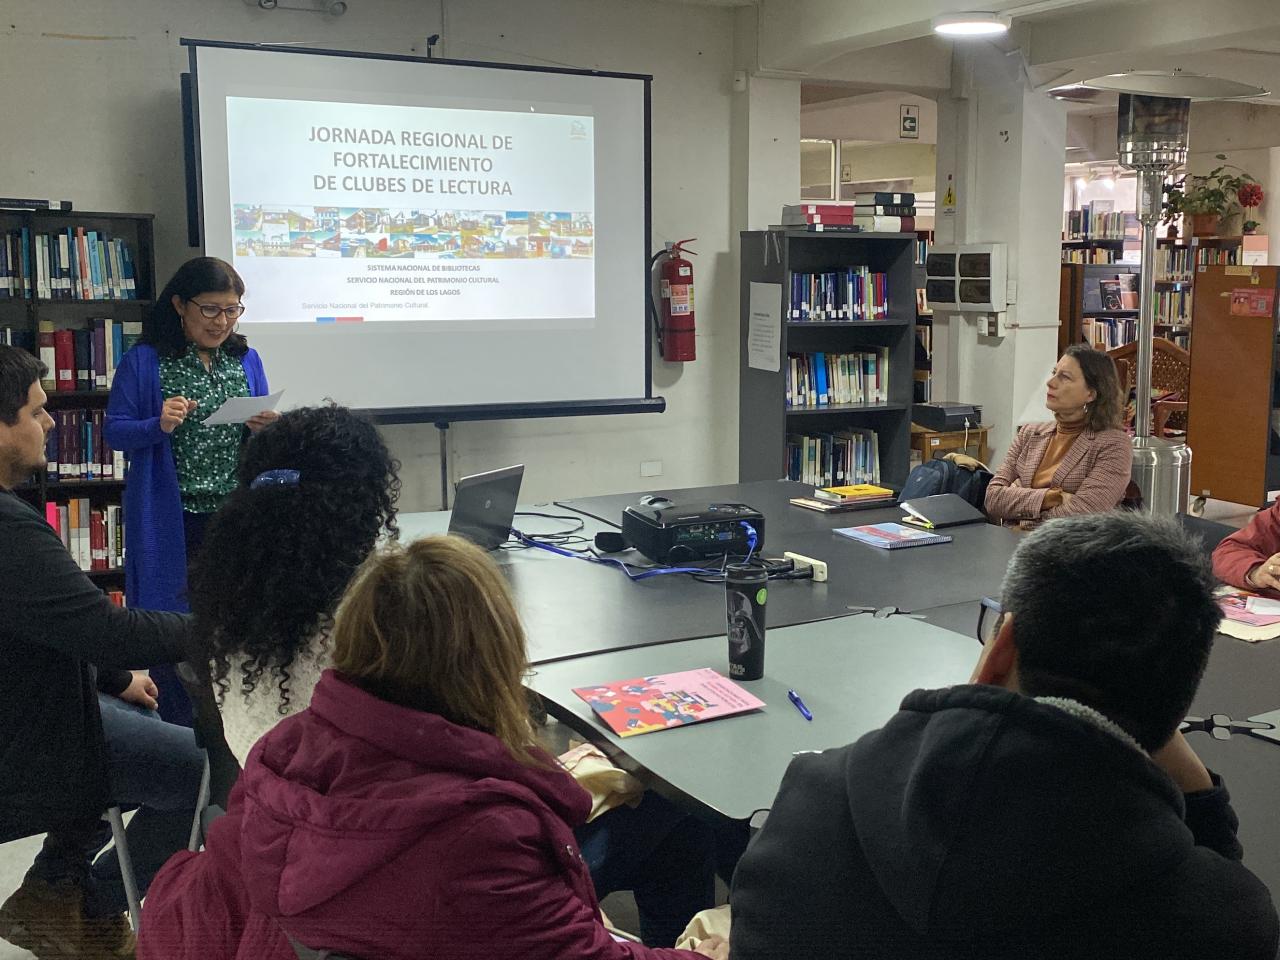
(973, 24)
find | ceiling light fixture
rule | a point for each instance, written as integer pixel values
(971, 24)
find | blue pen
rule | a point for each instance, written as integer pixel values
(804, 711)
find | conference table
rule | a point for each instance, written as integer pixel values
(588, 624)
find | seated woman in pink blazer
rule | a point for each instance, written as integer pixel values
(1079, 462)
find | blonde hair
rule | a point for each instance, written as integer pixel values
(433, 627)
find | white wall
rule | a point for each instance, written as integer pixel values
(93, 115)
(874, 116)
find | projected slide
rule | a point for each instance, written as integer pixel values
(345, 212)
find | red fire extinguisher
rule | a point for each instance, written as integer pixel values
(676, 324)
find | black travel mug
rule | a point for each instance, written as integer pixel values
(745, 592)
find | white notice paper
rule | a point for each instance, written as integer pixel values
(240, 409)
(764, 327)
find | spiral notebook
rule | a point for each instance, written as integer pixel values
(892, 536)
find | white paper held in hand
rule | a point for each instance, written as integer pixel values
(240, 409)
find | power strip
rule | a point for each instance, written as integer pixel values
(802, 562)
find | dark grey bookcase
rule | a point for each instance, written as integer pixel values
(771, 256)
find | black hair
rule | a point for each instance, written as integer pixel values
(162, 328)
(277, 559)
(18, 371)
(1115, 610)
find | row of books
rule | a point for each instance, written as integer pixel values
(1094, 255)
(86, 359)
(74, 264)
(1173, 306)
(854, 293)
(1107, 333)
(13, 337)
(93, 536)
(922, 251)
(1217, 256)
(818, 379)
(1174, 263)
(1089, 223)
(75, 450)
(834, 459)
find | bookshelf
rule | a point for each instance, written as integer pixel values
(23, 310)
(1231, 425)
(1177, 263)
(766, 419)
(1081, 310)
(922, 376)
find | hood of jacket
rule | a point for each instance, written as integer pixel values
(338, 790)
(979, 808)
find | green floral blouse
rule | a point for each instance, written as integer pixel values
(206, 457)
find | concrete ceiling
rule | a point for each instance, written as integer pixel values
(858, 45)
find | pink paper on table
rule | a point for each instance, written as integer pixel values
(1235, 607)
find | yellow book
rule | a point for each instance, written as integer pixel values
(853, 492)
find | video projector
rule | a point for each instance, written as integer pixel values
(668, 532)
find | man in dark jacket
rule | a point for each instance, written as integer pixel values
(64, 758)
(1049, 809)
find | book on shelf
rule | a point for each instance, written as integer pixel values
(71, 264)
(849, 455)
(922, 251)
(874, 223)
(1108, 333)
(853, 293)
(1173, 264)
(1173, 307)
(86, 359)
(887, 210)
(14, 337)
(75, 450)
(1128, 291)
(884, 199)
(94, 536)
(1110, 292)
(818, 227)
(819, 379)
(809, 213)
(1098, 222)
(1090, 255)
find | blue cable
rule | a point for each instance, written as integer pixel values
(606, 561)
(752, 539)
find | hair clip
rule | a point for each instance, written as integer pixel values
(276, 478)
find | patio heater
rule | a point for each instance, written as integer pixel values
(1152, 141)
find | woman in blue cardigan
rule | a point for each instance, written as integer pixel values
(188, 362)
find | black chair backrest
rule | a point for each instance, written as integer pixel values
(1208, 532)
(224, 768)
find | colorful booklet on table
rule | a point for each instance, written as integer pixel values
(1244, 618)
(645, 704)
(892, 536)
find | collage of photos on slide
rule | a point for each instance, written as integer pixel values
(275, 230)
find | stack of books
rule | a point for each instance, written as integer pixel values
(818, 217)
(858, 496)
(818, 379)
(86, 359)
(93, 536)
(885, 212)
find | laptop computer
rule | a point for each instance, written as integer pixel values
(484, 505)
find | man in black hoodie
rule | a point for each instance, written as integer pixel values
(1048, 809)
(65, 754)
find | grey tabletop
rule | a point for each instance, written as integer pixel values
(1241, 682)
(571, 607)
(852, 673)
(971, 566)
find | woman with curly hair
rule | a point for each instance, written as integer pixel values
(408, 813)
(315, 491)
(1079, 462)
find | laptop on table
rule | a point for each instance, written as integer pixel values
(484, 506)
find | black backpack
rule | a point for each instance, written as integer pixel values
(944, 476)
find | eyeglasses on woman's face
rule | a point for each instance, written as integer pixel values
(211, 311)
(990, 618)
